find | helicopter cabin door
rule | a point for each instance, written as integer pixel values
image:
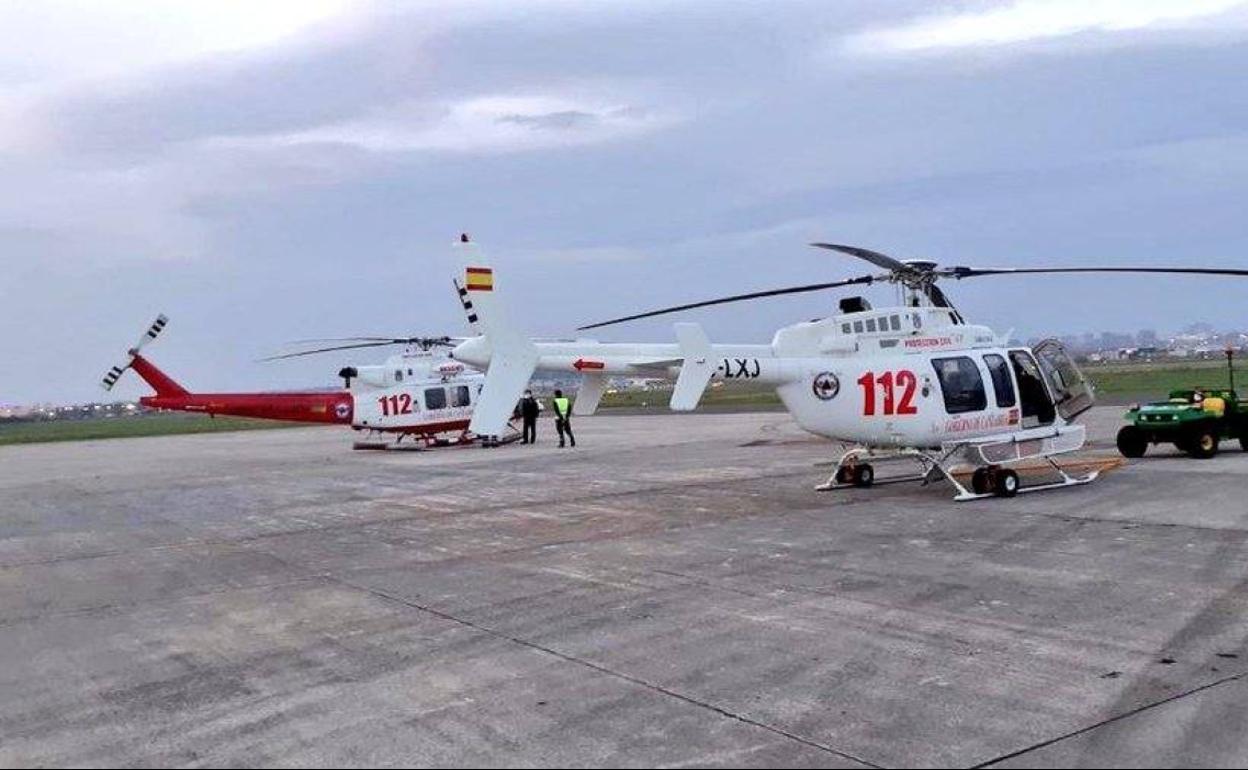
(1033, 394)
(1072, 393)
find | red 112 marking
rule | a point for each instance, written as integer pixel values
(397, 404)
(889, 383)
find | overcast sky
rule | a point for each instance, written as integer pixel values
(269, 171)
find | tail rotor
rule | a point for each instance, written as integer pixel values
(153, 331)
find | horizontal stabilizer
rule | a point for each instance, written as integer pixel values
(697, 367)
(590, 393)
(505, 380)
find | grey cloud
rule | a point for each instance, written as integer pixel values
(995, 160)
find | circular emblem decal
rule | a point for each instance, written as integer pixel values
(342, 410)
(826, 386)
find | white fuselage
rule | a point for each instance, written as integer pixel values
(415, 393)
(887, 377)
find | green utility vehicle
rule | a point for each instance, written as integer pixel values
(1195, 420)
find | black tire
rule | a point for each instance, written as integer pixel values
(1204, 443)
(1132, 442)
(864, 475)
(1006, 483)
(1243, 443)
(981, 481)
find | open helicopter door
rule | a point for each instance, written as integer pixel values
(1072, 392)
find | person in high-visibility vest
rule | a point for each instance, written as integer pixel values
(563, 417)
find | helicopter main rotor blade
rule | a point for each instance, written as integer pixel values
(874, 257)
(389, 340)
(738, 298)
(317, 351)
(974, 272)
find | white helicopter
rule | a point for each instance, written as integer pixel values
(913, 381)
(417, 393)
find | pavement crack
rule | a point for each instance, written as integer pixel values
(601, 669)
(1111, 720)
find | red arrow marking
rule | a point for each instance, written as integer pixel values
(581, 364)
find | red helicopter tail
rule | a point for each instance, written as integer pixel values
(163, 384)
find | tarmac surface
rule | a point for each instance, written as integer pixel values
(672, 592)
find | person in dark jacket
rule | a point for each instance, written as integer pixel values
(530, 408)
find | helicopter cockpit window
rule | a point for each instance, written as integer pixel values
(870, 324)
(858, 327)
(961, 383)
(846, 328)
(459, 396)
(1002, 385)
(435, 398)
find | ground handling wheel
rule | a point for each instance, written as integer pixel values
(863, 475)
(1204, 443)
(981, 481)
(1005, 482)
(1132, 442)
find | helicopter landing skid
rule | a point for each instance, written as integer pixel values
(855, 468)
(1065, 480)
(934, 466)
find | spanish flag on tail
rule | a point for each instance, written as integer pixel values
(479, 279)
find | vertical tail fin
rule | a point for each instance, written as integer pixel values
(513, 357)
(162, 383)
(696, 368)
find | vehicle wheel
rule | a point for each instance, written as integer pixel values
(981, 481)
(1243, 443)
(864, 475)
(1006, 483)
(1132, 442)
(1204, 444)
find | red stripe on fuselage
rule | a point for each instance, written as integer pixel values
(426, 428)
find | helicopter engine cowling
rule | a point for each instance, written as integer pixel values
(375, 376)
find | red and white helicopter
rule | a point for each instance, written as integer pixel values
(913, 381)
(415, 394)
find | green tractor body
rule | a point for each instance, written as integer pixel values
(1195, 420)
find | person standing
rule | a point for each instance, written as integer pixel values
(530, 408)
(563, 417)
